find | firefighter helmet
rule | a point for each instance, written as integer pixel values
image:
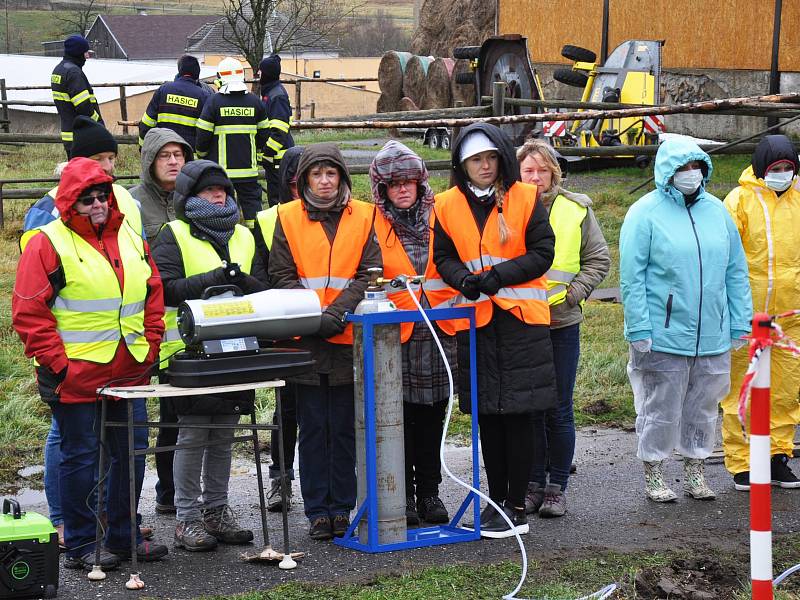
(231, 74)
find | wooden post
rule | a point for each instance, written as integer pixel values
(313, 108)
(498, 98)
(6, 124)
(123, 108)
(453, 135)
(297, 100)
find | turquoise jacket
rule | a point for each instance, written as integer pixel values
(683, 272)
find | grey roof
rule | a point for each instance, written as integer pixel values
(152, 36)
(210, 38)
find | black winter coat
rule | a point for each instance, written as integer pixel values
(178, 288)
(514, 360)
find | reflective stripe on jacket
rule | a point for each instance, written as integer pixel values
(92, 313)
(396, 262)
(175, 105)
(327, 269)
(481, 250)
(72, 96)
(199, 256)
(566, 219)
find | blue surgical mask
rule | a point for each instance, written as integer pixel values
(779, 182)
(687, 182)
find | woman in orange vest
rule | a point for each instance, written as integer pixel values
(404, 200)
(493, 243)
(325, 241)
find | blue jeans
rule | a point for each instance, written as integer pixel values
(327, 448)
(52, 459)
(79, 427)
(554, 429)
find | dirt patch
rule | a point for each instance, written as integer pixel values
(700, 578)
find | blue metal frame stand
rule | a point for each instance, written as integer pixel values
(424, 536)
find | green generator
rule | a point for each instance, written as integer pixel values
(28, 554)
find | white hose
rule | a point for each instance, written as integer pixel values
(599, 595)
(776, 582)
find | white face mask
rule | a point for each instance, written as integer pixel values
(779, 182)
(687, 182)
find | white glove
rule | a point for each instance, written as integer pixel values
(642, 345)
(737, 343)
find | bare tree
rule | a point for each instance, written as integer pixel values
(258, 27)
(80, 18)
(372, 36)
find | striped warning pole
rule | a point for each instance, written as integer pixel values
(760, 499)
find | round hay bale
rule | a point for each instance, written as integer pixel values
(386, 103)
(464, 93)
(406, 104)
(390, 73)
(438, 92)
(414, 79)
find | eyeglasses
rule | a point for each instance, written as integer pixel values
(405, 183)
(101, 197)
(177, 155)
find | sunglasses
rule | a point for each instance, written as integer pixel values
(101, 197)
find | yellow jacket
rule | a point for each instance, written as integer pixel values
(770, 231)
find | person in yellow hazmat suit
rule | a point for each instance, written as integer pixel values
(766, 210)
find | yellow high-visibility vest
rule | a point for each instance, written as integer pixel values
(266, 220)
(199, 256)
(566, 219)
(92, 313)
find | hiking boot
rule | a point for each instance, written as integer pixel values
(487, 514)
(497, 527)
(221, 522)
(341, 523)
(412, 517)
(432, 510)
(780, 473)
(321, 529)
(274, 498)
(694, 481)
(554, 503)
(108, 561)
(145, 552)
(741, 481)
(533, 497)
(655, 486)
(191, 536)
(165, 509)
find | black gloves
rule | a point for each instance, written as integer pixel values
(489, 282)
(469, 287)
(233, 273)
(330, 325)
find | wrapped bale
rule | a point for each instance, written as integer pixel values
(415, 78)
(438, 88)
(390, 77)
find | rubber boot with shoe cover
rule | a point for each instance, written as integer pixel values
(555, 502)
(497, 527)
(655, 486)
(432, 510)
(534, 497)
(780, 473)
(694, 481)
(274, 498)
(191, 536)
(221, 522)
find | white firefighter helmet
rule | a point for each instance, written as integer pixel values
(231, 75)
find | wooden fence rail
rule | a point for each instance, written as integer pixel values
(158, 83)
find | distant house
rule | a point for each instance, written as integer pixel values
(143, 37)
(210, 40)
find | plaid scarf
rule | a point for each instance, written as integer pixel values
(215, 221)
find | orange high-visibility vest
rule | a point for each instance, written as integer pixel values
(396, 262)
(327, 270)
(481, 250)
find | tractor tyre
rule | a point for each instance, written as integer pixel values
(578, 54)
(570, 77)
(468, 52)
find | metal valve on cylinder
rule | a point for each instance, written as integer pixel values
(388, 395)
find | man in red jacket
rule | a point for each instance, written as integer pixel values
(88, 304)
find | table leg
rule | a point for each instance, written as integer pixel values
(101, 475)
(132, 486)
(259, 475)
(282, 467)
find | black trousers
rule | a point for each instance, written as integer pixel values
(507, 446)
(423, 424)
(273, 180)
(165, 487)
(248, 195)
(289, 426)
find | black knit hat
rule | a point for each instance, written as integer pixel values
(76, 45)
(90, 138)
(188, 65)
(212, 176)
(270, 68)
